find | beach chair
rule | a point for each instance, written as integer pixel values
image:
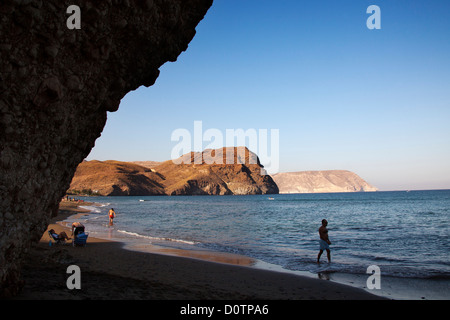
(56, 238)
(80, 239)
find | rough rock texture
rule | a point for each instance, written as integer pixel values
(216, 172)
(196, 175)
(56, 86)
(115, 178)
(321, 181)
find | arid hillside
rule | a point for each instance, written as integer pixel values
(224, 171)
(321, 182)
(115, 178)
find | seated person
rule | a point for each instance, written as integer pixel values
(61, 236)
(77, 228)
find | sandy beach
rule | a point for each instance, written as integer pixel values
(108, 271)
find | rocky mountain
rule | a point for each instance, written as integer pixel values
(321, 182)
(115, 178)
(207, 172)
(195, 173)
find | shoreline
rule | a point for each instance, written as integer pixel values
(110, 271)
(397, 288)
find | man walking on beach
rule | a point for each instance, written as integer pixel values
(324, 241)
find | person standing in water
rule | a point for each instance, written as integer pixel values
(112, 215)
(324, 241)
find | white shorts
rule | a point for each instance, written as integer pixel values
(323, 245)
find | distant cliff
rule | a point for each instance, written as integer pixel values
(194, 173)
(321, 182)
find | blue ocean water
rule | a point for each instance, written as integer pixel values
(406, 234)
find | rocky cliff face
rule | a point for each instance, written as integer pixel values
(56, 86)
(216, 172)
(194, 173)
(321, 182)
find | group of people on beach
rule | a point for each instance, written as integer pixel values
(324, 241)
(78, 227)
(67, 198)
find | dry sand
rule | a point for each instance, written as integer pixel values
(108, 271)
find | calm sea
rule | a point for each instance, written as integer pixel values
(406, 234)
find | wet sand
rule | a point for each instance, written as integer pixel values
(108, 271)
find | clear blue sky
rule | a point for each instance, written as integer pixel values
(376, 102)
